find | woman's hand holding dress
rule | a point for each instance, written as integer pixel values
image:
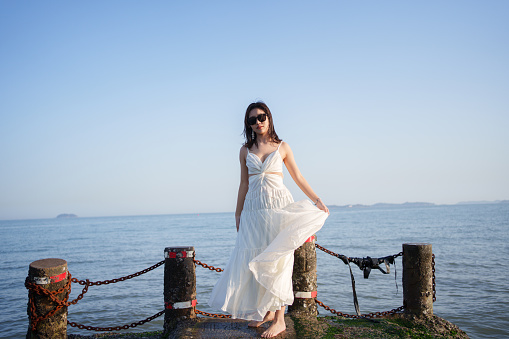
(322, 206)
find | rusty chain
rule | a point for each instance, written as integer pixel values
(113, 281)
(207, 314)
(326, 250)
(210, 267)
(34, 289)
(213, 315)
(374, 314)
(340, 255)
(368, 315)
(354, 316)
(433, 279)
(116, 328)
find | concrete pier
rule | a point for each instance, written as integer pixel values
(225, 328)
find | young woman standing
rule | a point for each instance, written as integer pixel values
(257, 282)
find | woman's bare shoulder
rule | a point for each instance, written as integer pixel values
(284, 149)
(285, 146)
(243, 152)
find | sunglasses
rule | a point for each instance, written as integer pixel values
(259, 117)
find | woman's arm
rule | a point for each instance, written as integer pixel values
(243, 187)
(299, 179)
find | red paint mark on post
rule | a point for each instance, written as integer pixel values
(59, 277)
(310, 239)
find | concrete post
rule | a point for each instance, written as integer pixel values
(50, 274)
(179, 285)
(304, 280)
(417, 279)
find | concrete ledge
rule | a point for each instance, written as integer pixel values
(225, 328)
(393, 327)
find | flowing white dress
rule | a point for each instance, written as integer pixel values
(258, 276)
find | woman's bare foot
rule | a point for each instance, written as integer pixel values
(274, 329)
(268, 317)
(277, 326)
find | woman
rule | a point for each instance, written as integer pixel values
(257, 282)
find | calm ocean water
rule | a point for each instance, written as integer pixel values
(471, 244)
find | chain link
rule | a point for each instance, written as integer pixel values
(113, 281)
(116, 328)
(35, 289)
(213, 315)
(354, 316)
(368, 315)
(433, 279)
(326, 250)
(210, 267)
(343, 256)
(207, 314)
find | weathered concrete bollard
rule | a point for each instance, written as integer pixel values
(418, 279)
(179, 285)
(304, 280)
(50, 274)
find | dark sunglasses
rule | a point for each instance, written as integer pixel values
(259, 117)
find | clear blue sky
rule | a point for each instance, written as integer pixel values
(136, 107)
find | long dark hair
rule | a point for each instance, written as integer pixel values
(248, 131)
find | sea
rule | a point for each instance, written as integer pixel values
(470, 243)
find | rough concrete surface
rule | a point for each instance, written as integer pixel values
(394, 327)
(225, 328)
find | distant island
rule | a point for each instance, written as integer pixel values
(387, 205)
(414, 204)
(67, 216)
(483, 202)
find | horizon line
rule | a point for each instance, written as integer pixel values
(472, 202)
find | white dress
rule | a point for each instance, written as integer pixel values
(258, 276)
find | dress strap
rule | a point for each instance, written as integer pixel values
(247, 155)
(279, 145)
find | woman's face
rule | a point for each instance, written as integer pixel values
(259, 127)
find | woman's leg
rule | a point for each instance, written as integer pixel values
(277, 326)
(268, 317)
